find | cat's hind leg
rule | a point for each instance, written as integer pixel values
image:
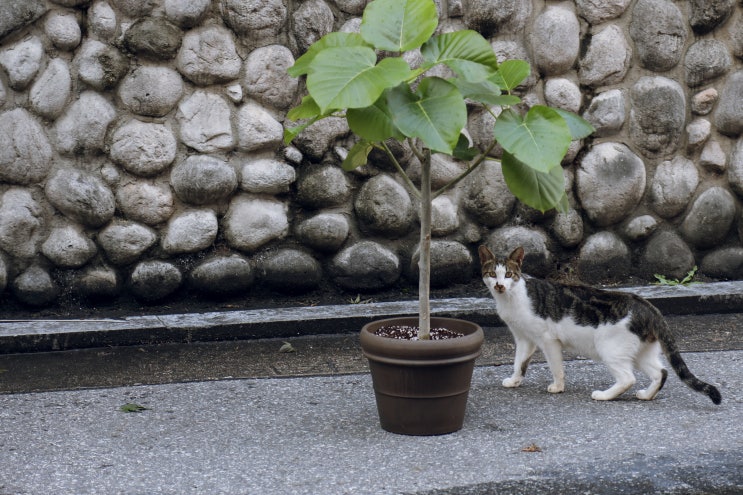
(622, 371)
(649, 363)
(524, 350)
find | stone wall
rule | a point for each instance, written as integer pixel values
(141, 150)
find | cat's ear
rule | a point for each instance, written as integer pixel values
(517, 255)
(485, 254)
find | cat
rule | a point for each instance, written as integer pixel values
(622, 330)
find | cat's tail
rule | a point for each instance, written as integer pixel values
(678, 364)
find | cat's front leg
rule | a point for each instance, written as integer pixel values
(524, 350)
(552, 350)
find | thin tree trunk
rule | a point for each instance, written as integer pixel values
(424, 263)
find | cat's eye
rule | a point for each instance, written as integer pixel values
(509, 274)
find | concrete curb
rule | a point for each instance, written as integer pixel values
(18, 336)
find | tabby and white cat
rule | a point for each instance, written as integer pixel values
(620, 329)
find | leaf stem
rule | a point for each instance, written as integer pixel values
(464, 174)
(399, 168)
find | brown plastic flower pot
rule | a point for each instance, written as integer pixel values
(421, 386)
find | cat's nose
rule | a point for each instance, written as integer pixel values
(500, 289)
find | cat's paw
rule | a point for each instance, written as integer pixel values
(512, 382)
(600, 395)
(556, 388)
(645, 394)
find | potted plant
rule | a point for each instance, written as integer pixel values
(365, 78)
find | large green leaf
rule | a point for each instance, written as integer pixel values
(374, 123)
(435, 113)
(540, 139)
(485, 92)
(305, 110)
(579, 127)
(540, 190)
(330, 40)
(465, 52)
(511, 73)
(399, 25)
(357, 156)
(349, 77)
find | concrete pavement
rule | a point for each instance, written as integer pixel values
(320, 435)
(239, 417)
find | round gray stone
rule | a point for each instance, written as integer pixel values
(324, 232)
(365, 265)
(51, 90)
(322, 186)
(146, 202)
(697, 133)
(562, 93)
(713, 157)
(603, 257)
(68, 247)
(610, 183)
(451, 263)
(153, 37)
(706, 15)
(98, 283)
(725, 263)
(135, 8)
(82, 128)
(151, 90)
(710, 218)
(34, 286)
(640, 227)
(208, 55)
(22, 61)
(260, 21)
(26, 155)
(487, 196)
(318, 138)
(567, 228)
(102, 19)
(257, 129)
(21, 223)
(659, 32)
(222, 275)
(607, 58)
(251, 222)
(490, 17)
(186, 13)
(728, 116)
(555, 40)
(63, 30)
(205, 121)
(735, 170)
(384, 206)
(658, 115)
(673, 186)
(312, 20)
(266, 78)
(444, 216)
(538, 258)
(154, 280)
(100, 65)
(190, 231)
(668, 255)
(702, 102)
(203, 179)
(125, 242)
(267, 176)
(143, 148)
(606, 112)
(596, 12)
(705, 61)
(290, 271)
(17, 14)
(80, 196)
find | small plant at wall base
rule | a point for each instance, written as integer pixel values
(364, 78)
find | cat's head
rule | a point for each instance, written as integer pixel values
(500, 275)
